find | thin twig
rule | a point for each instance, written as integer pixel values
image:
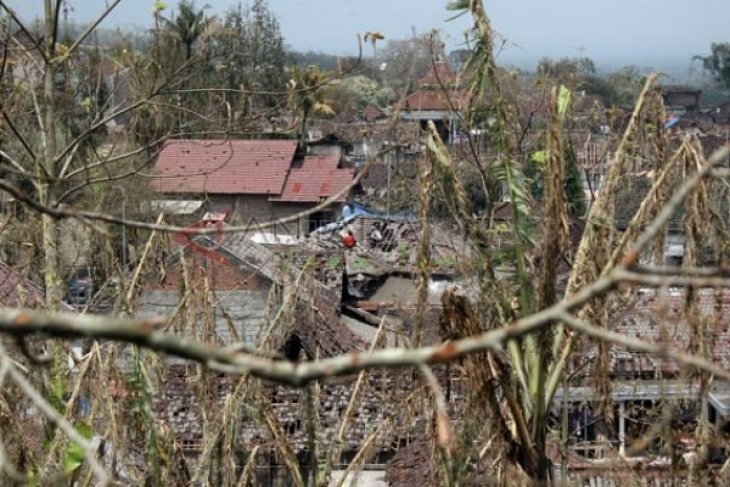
(89, 447)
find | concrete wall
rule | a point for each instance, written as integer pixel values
(238, 299)
(258, 208)
(243, 207)
(244, 308)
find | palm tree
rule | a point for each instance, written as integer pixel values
(189, 24)
(308, 96)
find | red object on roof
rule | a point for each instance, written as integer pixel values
(224, 166)
(318, 178)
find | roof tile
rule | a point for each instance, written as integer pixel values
(318, 178)
(224, 166)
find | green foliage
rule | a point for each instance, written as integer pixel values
(308, 95)
(188, 25)
(515, 186)
(251, 48)
(357, 92)
(334, 262)
(445, 262)
(574, 194)
(718, 63)
(579, 74)
(564, 98)
(74, 455)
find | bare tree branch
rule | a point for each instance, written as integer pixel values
(23, 28)
(92, 26)
(145, 332)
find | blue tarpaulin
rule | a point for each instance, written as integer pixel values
(352, 211)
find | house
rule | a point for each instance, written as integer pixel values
(255, 180)
(438, 99)
(236, 292)
(647, 389)
(714, 97)
(239, 278)
(681, 98)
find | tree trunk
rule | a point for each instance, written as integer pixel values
(303, 137)
(45, 193)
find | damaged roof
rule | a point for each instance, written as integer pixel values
(319, 178)
(657, 317)
(317, 323)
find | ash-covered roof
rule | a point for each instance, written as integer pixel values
(319, 178)
(437, 75)
(661, 318)
(428, 99)
(224, 166)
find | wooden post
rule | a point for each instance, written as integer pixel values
(621, 428)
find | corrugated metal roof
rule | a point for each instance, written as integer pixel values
(224, 166)
(317, 179)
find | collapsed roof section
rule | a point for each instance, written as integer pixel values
(316, 324)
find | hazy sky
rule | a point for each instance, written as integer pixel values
(614, 32)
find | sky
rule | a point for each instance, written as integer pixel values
(612, 32)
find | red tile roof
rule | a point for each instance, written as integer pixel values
(371, 112)
(318, 178)
(437, 75)
(435, 99)
(224, 166)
